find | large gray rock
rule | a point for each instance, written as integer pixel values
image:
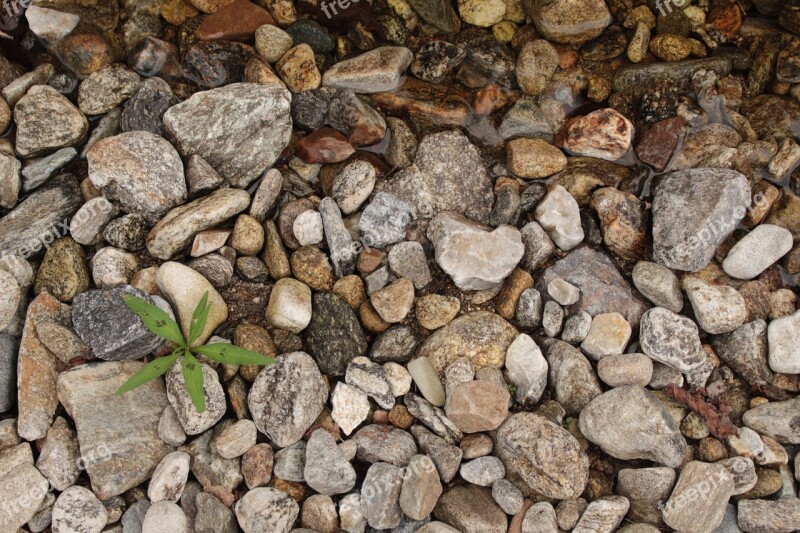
(552, 464)
(473, 255)
(631, 423)
(685, 511)
(118, 435)
(693, 212)
(107, 325)
(287, 397)
(47, 121)
(23, 490)
(239, 129)
(447, 175)
(140, 170)
(671, 339)
(776, 419)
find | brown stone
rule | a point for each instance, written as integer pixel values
(786, 213)
(177, 11)
(370, 318)
(237, 21)
(727, 18)
(513, 287)
(326, 145)
(86, 52)
(477, 406)
(471, 508)
(660, 141)
(370, 259)
(400, 417)
(257, 465)
(624, 222)
(310, 265)
(427, 103)
(490, 99)
(351, 290)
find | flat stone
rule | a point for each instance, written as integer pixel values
(569, 21)
(685, 511)
(381, 492)
(776, 420)
(385, 444)
(169, 478)
(478, 406)
(235, 21)
(773, 516)
(553, 464)
(718, 308)
(605, 134)
(671, 339)
(483, 471)
(631, 423)
(218, 125)
(757, 251)
(47, 121)
(119, 442)
(278, 410)
(608, 334)
(40, 171)
(376, 71)
(625, 369)
(421, 488)
(78, 509)
(603, 515)
(107, 88)
(350, 407)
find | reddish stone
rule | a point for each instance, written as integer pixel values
(257, 465)
(85, 53)
(237, 21)
(326, 145)
(659, 143)
(427, 103)
(490, 98)
(726, 18)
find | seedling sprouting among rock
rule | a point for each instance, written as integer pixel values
(160, 323)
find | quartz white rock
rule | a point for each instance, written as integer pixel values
(527, 369)
(783, 336)
(563, 291)
(169, 478)
(718, 308)
(350, 407)
(757, 251)
(289, 305)
(559, 215)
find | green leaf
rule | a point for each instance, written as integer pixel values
(155, 319)
(193, 376)
(232, 355)
(199, 318)
(150, 371)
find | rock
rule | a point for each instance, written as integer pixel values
(605, 134)
(10, 299)
(427, 380)
(170, 429)
(119, 443)
(757, 251)
(553, 464)
(559, 216)
(774, 516)
(630, 423)
(671, 339)
(378, 443)
(176, 231)
(37, 173)
(298, 70)
(184, 288)
(776, 420)
(482, 337)
(78, 509)
(86, 227)
(384, 220)
(608, 334)
(421, 488)
(24, 490)
(9, 181)
(659, 285)
(278, 410)
(434, 311)
(569, 21)
(478, 406)
(145, 109)
(435, 59)
(408, 260)
(396, 344)
(234, 21)
(470, 509)
(482, 14)
(693, 212)
(8, 372)
(339, 240)
(326, 469)
(646, 489)
(658, 144)
(539, 248)
(107, 88)
(447, 175)
(112, 267)
(623, 221)
(290, 462)
(63, 272)
(378, 70)
(127, 232)
(121, 335)
(688, 512)
(218, 125)
(289, 305)
(195, 422)
(59, 458)
(325, 145)
(307, 228)
(718, 308)
(576, 328)
(272, 42)
(527, 369)
(483, 471)
(783, 334)
(213, 515)
(350, 407)
(625, 369)
(165, 515)
(266, 509)
(169, 478)
(381, 491)
(603, 515)
(47, 121)
(572, 377)
(49, 24)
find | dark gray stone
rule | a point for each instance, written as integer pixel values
(396, 344)
(145, 109)
(334, 336)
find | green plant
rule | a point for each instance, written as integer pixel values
(160, 323)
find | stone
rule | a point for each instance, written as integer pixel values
(326, 469)
(235, 21)
(370, 378)
(10, 182)
(49, 24)
(140, 170)
(24, 490)
(623, 221)
(536, 63)
(78, 509)
(63, 272)
(774, 419)
(289, 306)
(212, 515)
(86, 227)
(112, 267)
(59, 458)
(257, 465)
(784, 337)
(218, 125)
(184, 287)
(646, 489)
(718, 308)
(378, 70)
(686, 511)
(483, 471)
(379, 443)
(169, 478)
(539, 248)
(421, 488)
(604, 134)
(350, 407)
(121, 335)
(247, 237)
(324, 145)
(527, 369)
(482, 14)
(559, 215)
(569, 21)
(671, 339)
(307, 228)
(195, 422)
(334, 336)
(608, 334)
(408, 260)
(427, 380)
(659, 285)
(298, 70)
(658, 144)
(563, 292)
(507, 496)
(763, 515)
(107, 88)
(603, 515)
(693, 212)
(128, 232)
(119, 443)
(10, 299)
(266, 509)
(447, 175)
(384, 220)
(469, 508)
(380, 496)
(625, 369)
(47, 121)
(339, 240)
(165, 515)
(553, 464)
(39, 172)
(435, 59)
(631, 423)
(176, 231)
(576, 327)
(290, 462)
(272, 42)
(278, 411)
(757, 251)
(146, 107)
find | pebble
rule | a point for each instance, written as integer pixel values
(107, 88)
(552, 318)
(326, 470)
(195, 422)
(603, 515)
(421, 488)
(718, 308)
(266, 509)
(468, 507)
(59, 458)
(334, 336)
(683, 510)
(563, 292)
(646, 490)
(384, 220)
(507, 496)
(536, 63)
(272, 42)
(527, 369)
(39, 172)
(169, 478)
(609, 334)
(783, 335)
(534, 158)
(236, 439)
(435, 59)
(483, 471)
(659, 285)
(380, 496)
(576, 327)
(559, 215)
(427, 380)
(170, 429)
(184, 288)
(605, 134)
(564, 21)
(529, 309)
(49, 24)
(235, 21)
(371, 378)
(671, 339)
(47, 121)
(350, 407)
(625, 369)
(408, 260)
(378, 70)
(764, 515)
(478, 406)
(757, 251)
(10, 182)
(378, 443)
(298, 70)
(434, 311)
(774, 420)
(112, 267)
(78, 509)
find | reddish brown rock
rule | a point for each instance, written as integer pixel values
(257, 465)
(427, 103)
(478, 406)
(86, 52)
(237, 21)
(605, 134)
(326, 145)
(659, 143)
(726, 18)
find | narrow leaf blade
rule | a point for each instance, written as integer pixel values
(193, 376)
(150, 371)
(155, 319)
(233, 355)
(199, 319)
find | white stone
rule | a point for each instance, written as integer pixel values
(783, 335)
(209, 241)
(86, 226)
(307, 228)
(398, 377)
(559, 215)
(527, 369)
(563, 292)
(718, 308)
(427, 380)
(350, 517)
(78, 510)
(609, 334)
(169, 478)
(289, 305)
(112, 267)
(473, 255)
(353, 185)
(170, 429)
(350, 407)
(757, 251)
(49, 24)
(165, 516)
(10, 295)
(266, 509)
(192, 421)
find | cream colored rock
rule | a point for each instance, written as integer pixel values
(289, 305)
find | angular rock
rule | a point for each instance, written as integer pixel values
(334, 336)
(47, 121)
(376, 71)
(718, 308)
(266, 509)
(326, 469)
(684, 510)
(559, 215)
(776, 420)
(671, 339)
(659, 285)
